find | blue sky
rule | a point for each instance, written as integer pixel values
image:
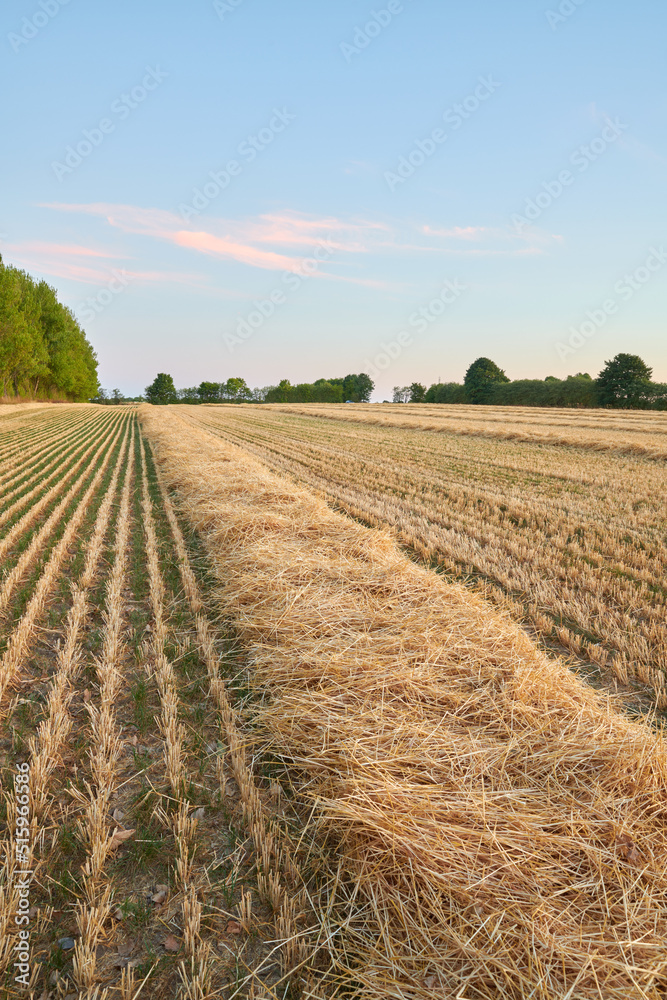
(400, 187)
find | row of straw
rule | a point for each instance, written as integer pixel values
(19, 645)
(89, 458)
(20, 639)
(496, 828)
(507, 426)
(105, 750)
(20, 447)
(582, 564)
(42, 474)
(196, 972)
(279, 879)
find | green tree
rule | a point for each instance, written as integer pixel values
(324, 391)
(480, 378)
(189, 395)
(209, 392)
(236, 389)
(43, 350)
(161, 390)
(445, 392)
(625, 381)
(281, 393)
(417, 392)
(357, 388)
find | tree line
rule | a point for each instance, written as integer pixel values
(355, 388)
(44, 353)
(625, 382)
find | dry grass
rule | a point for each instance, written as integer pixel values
(619, 432)
(156, 843)
(499, 829)
(570, 540)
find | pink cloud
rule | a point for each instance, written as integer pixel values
(220, 247)
(238, 239)
(70, 261)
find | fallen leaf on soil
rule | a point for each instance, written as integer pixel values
(199, 813)
(134, 740)
(159, 897)
(127, 946)
(429, 982)
(171, 943)
(120, 836)
(233, 927)
(117, 815)
(87, 695)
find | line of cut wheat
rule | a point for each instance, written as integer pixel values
(41, 476)
(45, 747)
(28, 452)
(19, 641)
(104, 755)
(271, 846)
(92, 455)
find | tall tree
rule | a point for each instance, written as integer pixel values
(417, 392)
(236, 389)
(357, 388)
(43, 350)
(209, 392)
(625, 381)
(161, 390)
(480, 378)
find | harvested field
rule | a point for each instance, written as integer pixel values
(251, 749)
(162, 858)
(495, 827)
(557, 516)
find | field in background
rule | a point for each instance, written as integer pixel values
(159, 857)
(558, 515)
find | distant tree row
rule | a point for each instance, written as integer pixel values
(235, 390)
(357, 388)
(624, 382)
(44, 353)
(351, 388)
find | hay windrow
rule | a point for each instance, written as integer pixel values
(501, 829)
